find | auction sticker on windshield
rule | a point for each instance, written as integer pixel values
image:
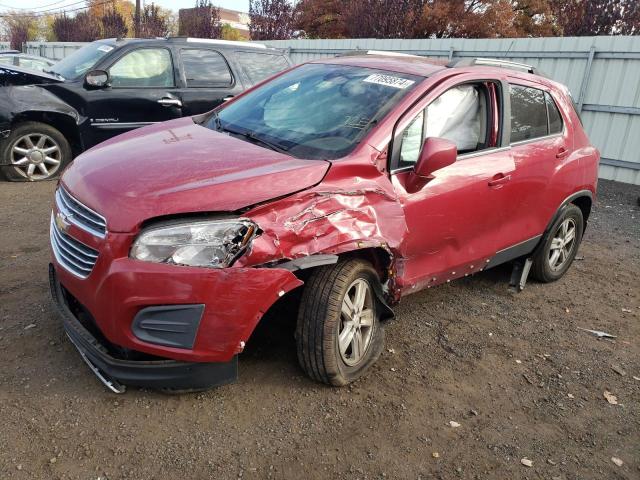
(389, 81)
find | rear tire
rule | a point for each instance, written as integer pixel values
(339, 334)
(560, 246)
(34, 152)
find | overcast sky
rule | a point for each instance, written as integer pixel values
(52, 5)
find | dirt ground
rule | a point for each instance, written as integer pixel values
(513, 370)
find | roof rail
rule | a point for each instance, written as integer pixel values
(385, 53)
(495, 62)
(220, 42)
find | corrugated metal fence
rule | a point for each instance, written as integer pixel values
(52, 50)
(602, 72)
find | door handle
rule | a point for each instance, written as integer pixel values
(227, 98)
(562, 152)
(499, 179)
(170, 102)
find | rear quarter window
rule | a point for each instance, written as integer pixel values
(555, 119)
(258, 66)
(528, 113)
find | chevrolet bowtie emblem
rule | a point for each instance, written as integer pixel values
(62, 221)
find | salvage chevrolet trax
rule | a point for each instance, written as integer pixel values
(347, 183)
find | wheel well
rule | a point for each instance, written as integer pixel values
(584, 204)
(379, 257)
(64, 123)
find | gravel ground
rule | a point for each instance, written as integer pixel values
(513, 370)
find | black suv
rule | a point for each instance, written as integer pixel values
(111, 86)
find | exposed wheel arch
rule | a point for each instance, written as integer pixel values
(380, 258)
(584, 203)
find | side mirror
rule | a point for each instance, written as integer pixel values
(436, 153)
(96, 79)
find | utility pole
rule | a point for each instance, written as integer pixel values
(136, 27)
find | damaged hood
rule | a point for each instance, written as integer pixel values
(13, 75)
(180, 167)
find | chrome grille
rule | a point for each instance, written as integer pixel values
(73, 255)
(81, 216)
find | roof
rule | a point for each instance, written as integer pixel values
(412, 65)
(425, 67)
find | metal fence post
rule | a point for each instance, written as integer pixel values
(585, 78)
(450, 53)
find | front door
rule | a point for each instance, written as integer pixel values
(142, 91)
(454, 218)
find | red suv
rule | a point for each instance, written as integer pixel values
(358, 179)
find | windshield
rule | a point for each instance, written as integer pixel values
(317, 111)
(82, 60)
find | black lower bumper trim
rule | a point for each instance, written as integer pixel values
(160, 374)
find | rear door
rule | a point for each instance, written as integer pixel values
(142, 91)
(540, 142)
(206, 79)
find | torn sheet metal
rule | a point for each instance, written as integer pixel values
(330, 219)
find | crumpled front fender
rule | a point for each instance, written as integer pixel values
(17, 100)
(330, 218)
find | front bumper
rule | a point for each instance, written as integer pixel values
(119, 288)
(156, 373)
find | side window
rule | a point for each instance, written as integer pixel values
(145, 67)
(555, 119)
(459, 115)
(205, 68)
(259, 66)
(528, 113)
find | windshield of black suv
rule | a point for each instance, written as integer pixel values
(316, 111)
(82, 60)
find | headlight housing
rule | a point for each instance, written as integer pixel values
(213, 244)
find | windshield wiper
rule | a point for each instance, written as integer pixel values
(251, 136)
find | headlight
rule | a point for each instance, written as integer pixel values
(214, 244)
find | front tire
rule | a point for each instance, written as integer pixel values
(339, 334)
(34, 152)
(560, 246)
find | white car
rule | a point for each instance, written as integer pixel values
(15, 58)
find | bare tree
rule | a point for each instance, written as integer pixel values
(379, 18)
(84, 27)
(271, 19)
